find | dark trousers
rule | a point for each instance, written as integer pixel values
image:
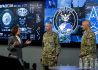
(24, 64)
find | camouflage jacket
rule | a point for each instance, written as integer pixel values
(88, 44)
(51, 48)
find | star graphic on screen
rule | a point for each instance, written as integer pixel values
(93, 13)
(94, 20)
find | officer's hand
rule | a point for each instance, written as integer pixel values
(82, 55)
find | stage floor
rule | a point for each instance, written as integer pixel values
(32, 54)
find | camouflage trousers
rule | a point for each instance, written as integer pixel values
(49, 60)
(88, 59)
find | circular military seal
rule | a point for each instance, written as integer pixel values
(65, 20)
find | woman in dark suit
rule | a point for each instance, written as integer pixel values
(15, 43)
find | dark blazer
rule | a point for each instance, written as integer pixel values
(15, 50)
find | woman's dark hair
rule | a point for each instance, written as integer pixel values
(14, 30)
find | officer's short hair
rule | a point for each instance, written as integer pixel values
(50, 23)
(88, 22)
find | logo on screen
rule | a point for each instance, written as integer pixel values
(65, 20)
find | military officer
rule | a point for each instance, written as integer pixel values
(88, 43)
(51, 47)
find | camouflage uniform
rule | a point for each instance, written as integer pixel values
(51, 49)
(88, 46)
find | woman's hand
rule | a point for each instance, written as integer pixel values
(28, 42)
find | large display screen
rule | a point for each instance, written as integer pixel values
(67, 17)
(92, 15)
(29, 16)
